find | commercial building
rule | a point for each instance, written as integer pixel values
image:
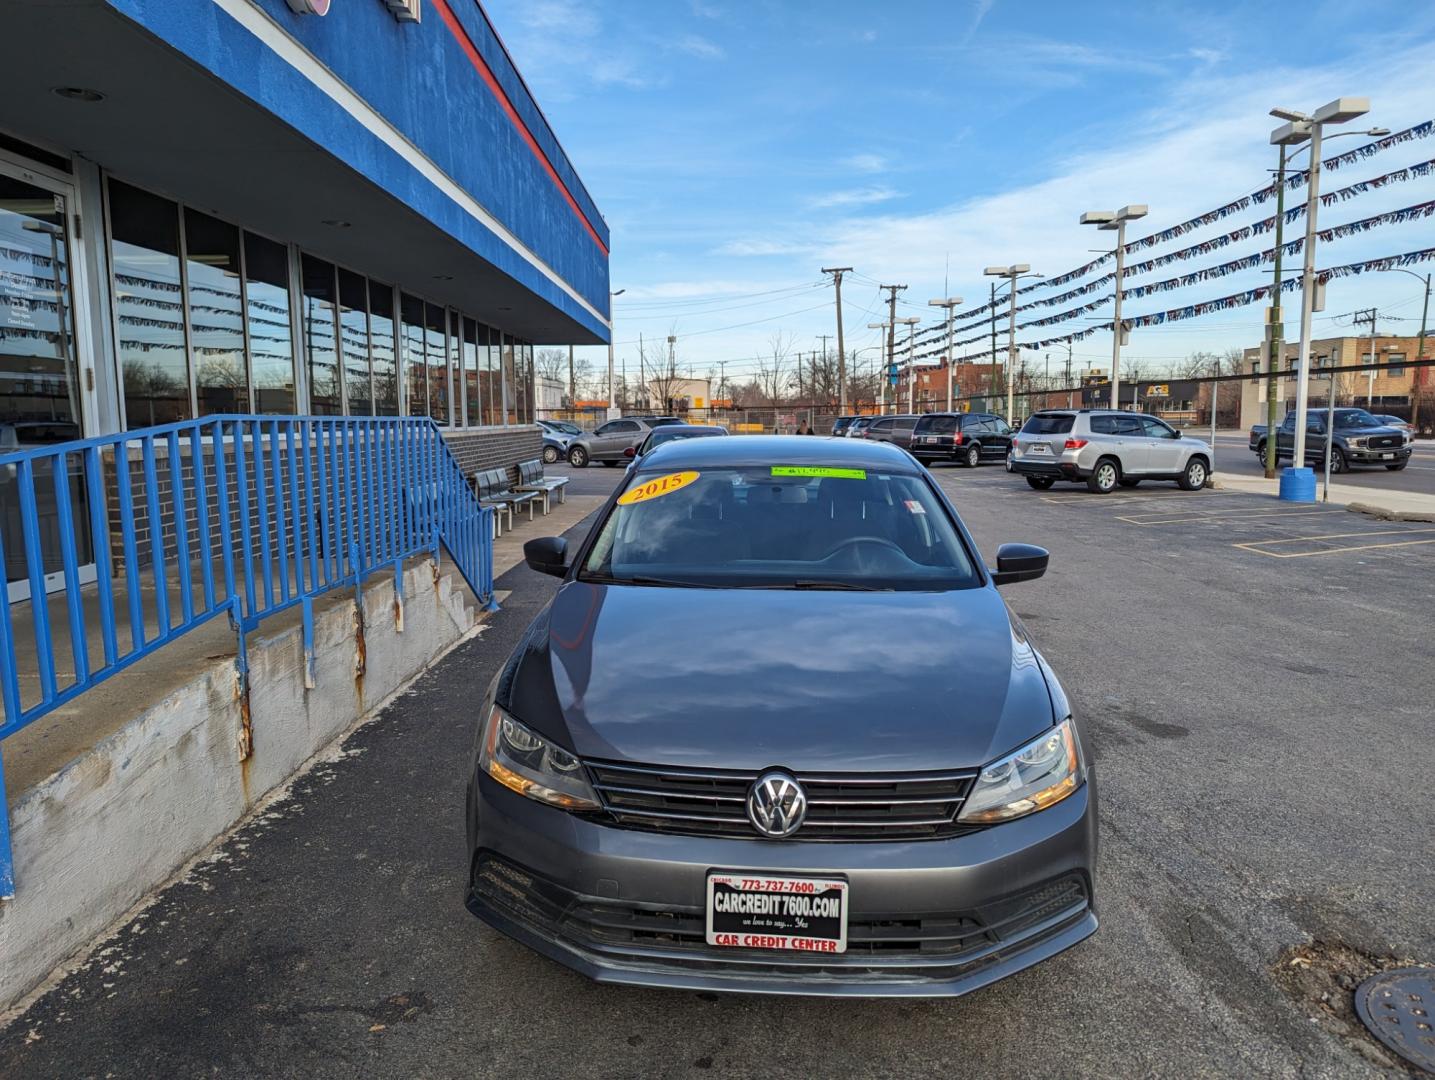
(284, 207)
(1391, 386)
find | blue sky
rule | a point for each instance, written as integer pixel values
(735, 148)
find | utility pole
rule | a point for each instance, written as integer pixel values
(827, 386)
(642, 376)
(1367, 315)
(892, 291)
(1068, 373)
(837, 272)
(911, 322)
(722, 378)
(572, 393)
(672, 374)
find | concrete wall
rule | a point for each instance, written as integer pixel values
(93, 839)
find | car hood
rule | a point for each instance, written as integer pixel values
(744, 679)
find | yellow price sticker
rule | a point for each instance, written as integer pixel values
(657, 488)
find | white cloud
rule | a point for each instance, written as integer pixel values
(865, 196)
(561, 16)
(980, 8)
(761, 247)
(867, 163)
(695, 45)
(705, 11)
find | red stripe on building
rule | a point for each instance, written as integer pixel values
(491, 81)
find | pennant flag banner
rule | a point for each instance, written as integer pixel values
(1399, 176)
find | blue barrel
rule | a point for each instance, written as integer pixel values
(1298, 485)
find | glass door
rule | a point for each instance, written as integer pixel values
(42, 400)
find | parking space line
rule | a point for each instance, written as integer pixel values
(1238, 514)
(1228, 517)
(1256, 547)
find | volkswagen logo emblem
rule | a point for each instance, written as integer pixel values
(776, 804)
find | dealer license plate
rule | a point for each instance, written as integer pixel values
(750, 910)
(1387, 455)
(1038, 448)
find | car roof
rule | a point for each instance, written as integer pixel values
(780, 450)
(668, 429)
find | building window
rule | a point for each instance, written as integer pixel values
(354, 341)
(1396, 360)
(510, 386)
(149, 313)
(473, 409)
(271, 349)
(435, 327)
(216, 313)
(490, 384)
(415, 369)
(381, 343)
(319, 333)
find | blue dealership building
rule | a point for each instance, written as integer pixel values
(312, 207)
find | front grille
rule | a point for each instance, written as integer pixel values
(618, 925)
(1385, 442)
(840, 806)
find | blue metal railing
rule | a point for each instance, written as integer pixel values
(148, 534)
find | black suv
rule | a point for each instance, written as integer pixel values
(893, 429)
(966, 438)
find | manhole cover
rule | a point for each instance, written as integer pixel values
(1396, 1006)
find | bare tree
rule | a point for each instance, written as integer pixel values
(773, 371)
(552, 364)
(663, 378)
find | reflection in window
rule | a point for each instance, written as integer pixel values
(471, 353)
(354, 340)
(148, 313)
(455, 367)
(271, 349)
(415, 371)
(488, 382)
(381, 345)
(525, 380)
(319, 348)
(216, 314)
(510, 387)
(438, 377)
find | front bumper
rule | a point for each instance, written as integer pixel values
(1378, 456)
(926, 919)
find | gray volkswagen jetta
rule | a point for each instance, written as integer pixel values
(777, 732)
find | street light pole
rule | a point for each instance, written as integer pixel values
(950, 303)
(911, 323)
(1115, 220)
(1012, 274)
(1419, 377)
(886, 368)
(612, 409)
(1298, 128)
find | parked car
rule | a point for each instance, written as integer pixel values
(671, 433)
(558, 436)
(608, 443)
(1106, 449)
(893, 429)
(1396, 422)
(1359, 439)
(966, 438)
(841, 424)
(664, 792)
(858, 427)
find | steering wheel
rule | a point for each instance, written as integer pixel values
(853, 541)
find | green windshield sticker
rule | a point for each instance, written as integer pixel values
(819, 470)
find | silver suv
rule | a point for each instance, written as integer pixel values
(1106, 449)
(610, 440)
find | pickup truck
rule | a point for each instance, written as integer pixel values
(1359, 439)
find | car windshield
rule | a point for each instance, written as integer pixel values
(1048, 424)
(780, 527)
(567, 429)
(662, 436)
(1355, 418)
(937, 425)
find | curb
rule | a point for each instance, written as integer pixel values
(1385, 514)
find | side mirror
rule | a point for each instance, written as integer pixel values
(631, 452)
(547, 555)
(1018, 562)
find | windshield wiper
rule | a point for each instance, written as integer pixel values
(609, 579)
(849, 586)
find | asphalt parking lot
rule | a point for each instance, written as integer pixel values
(1258, 686)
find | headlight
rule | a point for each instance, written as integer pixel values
(1357, 442)
(531, 765)
(1040, 774)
